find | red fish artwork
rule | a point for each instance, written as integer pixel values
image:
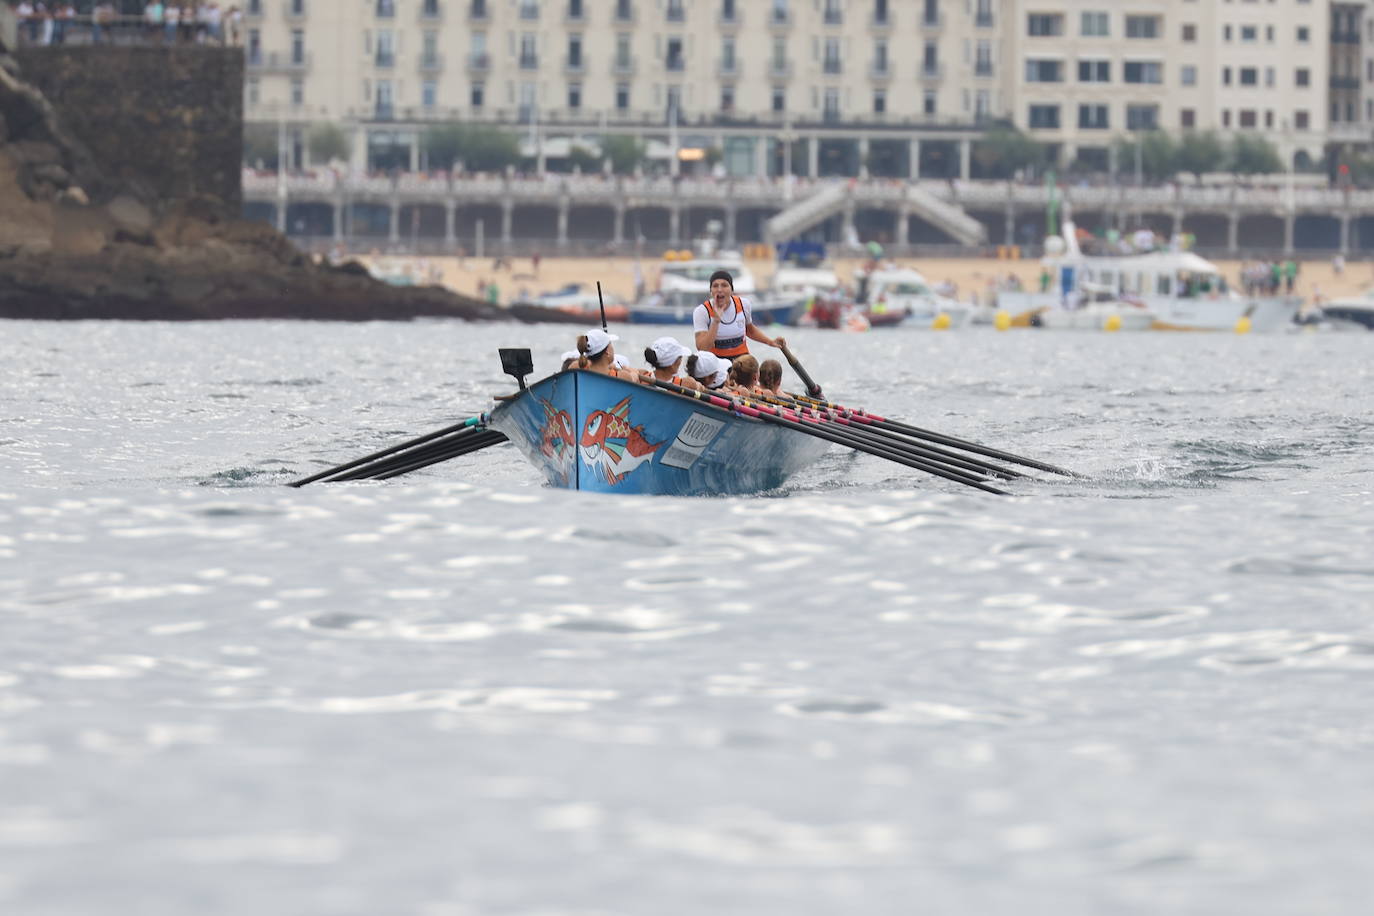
(612, 446)
(556, 438)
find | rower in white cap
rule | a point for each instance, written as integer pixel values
(598, 352)
(665, 355)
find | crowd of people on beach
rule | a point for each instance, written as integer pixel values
(1268, 277)
(51, 22)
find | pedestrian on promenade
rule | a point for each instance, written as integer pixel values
(171, 21)
(152, 19)
(28, 20)
(63, 15)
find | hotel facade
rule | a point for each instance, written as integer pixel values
(811, 87)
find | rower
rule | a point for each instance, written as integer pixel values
(709, 370)
(770, 376)
(597, 352)
(724, 321)
(665, 356)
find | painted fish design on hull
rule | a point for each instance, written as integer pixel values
(612, 446)
(557, 441)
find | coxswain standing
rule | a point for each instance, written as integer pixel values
(724, 320)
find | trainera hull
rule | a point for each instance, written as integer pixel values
(586, 431)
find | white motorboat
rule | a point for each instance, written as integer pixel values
(1354, 310)
(1185, 292)
(1097, 309)
(906, 292)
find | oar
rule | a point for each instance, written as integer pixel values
(469, 422)
(475, 443)
(895, 438)
(831, 433)
(445, 445)
(862, 416)
(811, 387)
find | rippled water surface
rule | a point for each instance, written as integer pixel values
(461, 692)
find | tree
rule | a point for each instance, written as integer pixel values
(260, 146)
(1003, 151)
(625, 153)
(1254, 156)
(1199, 153)
(480, 148)
(1158, 155)
(583, 159)
(328, 142)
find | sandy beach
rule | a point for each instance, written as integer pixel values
(522, 279)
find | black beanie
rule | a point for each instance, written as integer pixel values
(722, 275)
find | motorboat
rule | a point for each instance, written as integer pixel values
(1182, 290)
(905, 293)
(1354, 310)
(1097, 308)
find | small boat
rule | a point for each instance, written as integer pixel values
(1099, 309)
(580, 303)
(1356, 310)
(1184, 291)
(907, 293)
(676, 307)
(587, 431)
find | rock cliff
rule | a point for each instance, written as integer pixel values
(80, 238)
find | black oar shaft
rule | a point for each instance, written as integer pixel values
(469, 422)
(811, 387)
(478, 442)
(378, 468)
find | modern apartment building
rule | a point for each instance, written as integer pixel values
(846, 87)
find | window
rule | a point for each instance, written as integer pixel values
(1142, 71)
(1044, 71)
(1249, 76)
(574, 96)
(297, 46)
(622, 52)
(1189, 32)
(834, 13)
(297, 91)
(1187, 118)
(1304, 34)
(1300, 120)
(1226, 76)
(1188, 75)
(779, 98)
(1044, 116)
(1247, 118)
(622, 96)
(832, 105)
(477, 95)
(1226, 117)
(929, 102)
(1249, 33)
(250, 89)
(831, 64)
(982, 58)
(1269, 77)
(727, 98)
(1142, 117)
(1094, 24)
(1303, 77)
(1044, 24)
(386, 48)
(386, 9)
(574, 52)
(879, 101)
(1269, 118)
(529, 54)
(673, 58)
(429, 92)
(1094, 71)
(727, 55)
(1092, 117)
(1142, 26)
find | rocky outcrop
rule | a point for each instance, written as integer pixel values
(78, 240)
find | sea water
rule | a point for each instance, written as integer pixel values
(462, 692)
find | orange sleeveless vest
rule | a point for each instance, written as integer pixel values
(733, 346)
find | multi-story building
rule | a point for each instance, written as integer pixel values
(891, 87)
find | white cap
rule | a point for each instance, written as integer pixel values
(711, 368)
(668, 351)
(598, 340)
(620, 362)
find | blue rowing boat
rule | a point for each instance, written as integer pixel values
(587, 431)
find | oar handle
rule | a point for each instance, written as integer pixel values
(603, 305)
(811, 387)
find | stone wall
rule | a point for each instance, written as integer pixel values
(165, 123)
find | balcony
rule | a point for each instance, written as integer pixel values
(479, 62)
(277, 62)
(529, 12)
(431, 11)
(431, 62)
(727, 66)
(983, 20)
(832, 17)
(675, 13)
(574, 64)
(675, 65)
(1341, 36)
(1345, 82)
(477, 11)
(529, 61)
(294, 9)
(983, 68)
(383, 111)
(386, 9)
(832, 65)
(623, 66)
(780, 69)
(880, 70)
(384, 60)
(932, 71)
